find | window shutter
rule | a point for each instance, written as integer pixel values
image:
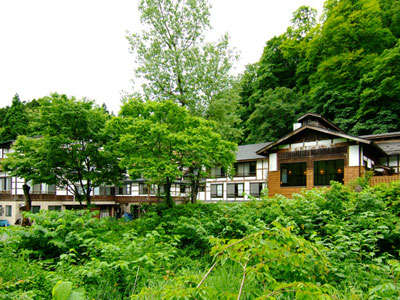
(253, 168)
(213, 190)
(231, 189)
(255, 189)
(220, 190)
(9, 183)
(240, 189)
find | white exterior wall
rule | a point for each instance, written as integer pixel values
(15, 214)
(354, 156)
(261, 177)
(273, 162)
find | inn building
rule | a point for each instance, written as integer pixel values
(312, 155)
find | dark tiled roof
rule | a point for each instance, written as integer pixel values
(390, 148)
(246, 152)
(381, 135)
(388, 141)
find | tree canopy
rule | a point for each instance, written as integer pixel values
(68, 149)
(14, 119)
(162, 142)
(176, 63)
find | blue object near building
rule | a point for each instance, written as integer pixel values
(128, 217)
(4, 223)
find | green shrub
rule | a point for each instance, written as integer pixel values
(336, 243)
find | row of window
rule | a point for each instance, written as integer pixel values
(144, 189)
(235, 190)
(295, 174)
(5, 186)
(7, 210)
(147, 189)
(243, 169)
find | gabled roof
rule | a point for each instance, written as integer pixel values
(321, 118)
(319, 129)
(248, 152)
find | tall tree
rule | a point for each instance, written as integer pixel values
(175, 63)
(68, 149)
(162, 142)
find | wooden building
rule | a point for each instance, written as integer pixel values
(312, 155)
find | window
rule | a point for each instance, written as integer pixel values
(42, 188)
(202, 188)
(105, 191)
(182, 188)
(217, 190)
(256, 188)
(146, 189)
(5, 184)
(36, 189)
(3, 152)
(161, 190)
(294, 174)
(1, 210)
(125, 189)
(35, 209)
(218, 172)
(235, 190)
(8, 210)
(55, 207)
(51, 189)
(327, 170)
(246, 169)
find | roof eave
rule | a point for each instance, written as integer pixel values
(340, 134)
(322, 118)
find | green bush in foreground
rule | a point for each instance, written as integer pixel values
(322, 244)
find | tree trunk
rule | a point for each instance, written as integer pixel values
(168, 199)
(194, 191)
(194, 184)
(28, 204)
(79, 197)
(88, 198)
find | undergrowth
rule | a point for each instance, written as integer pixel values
(332, 243)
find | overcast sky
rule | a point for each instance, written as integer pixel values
(78, 47)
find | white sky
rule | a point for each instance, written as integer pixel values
(78, 47)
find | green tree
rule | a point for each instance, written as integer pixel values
(15, 119)
(68, 149)
(175, 63)
(162, 142)
(379, 90)
(279, 107)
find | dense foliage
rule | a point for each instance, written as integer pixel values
(346, 67)
(163, 141)
(175, 63)
(14, 119)
(66, 147)
(323, 244)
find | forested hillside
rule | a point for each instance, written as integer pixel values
(345, 66)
